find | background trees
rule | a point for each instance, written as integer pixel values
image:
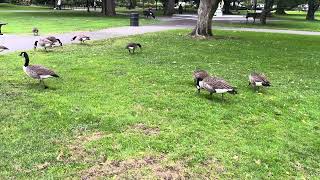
(109, 7)
(313, 7)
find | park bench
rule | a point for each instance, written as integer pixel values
(1, 24)
(254, 15)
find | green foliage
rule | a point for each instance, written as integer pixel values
(102, 88)
(289, 3)
(294, 20)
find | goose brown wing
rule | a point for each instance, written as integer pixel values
(257, 77)
(44, 42)
(82, 36)
(131, 45)
(40, 70)
(3, 47)
(217, 83)
(51, 38)
(264, 78)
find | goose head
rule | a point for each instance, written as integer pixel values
(59, 42)
(35, 44)
(26, 58)
(24, 54)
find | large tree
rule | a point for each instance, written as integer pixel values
(283, 5)
(313, 6)
(227, 7)
(168, 7)
(266, 11)
(109, 7)
(132, 4)
(206, 10)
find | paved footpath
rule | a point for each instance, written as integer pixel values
(24, 42)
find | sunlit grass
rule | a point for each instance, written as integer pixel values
(102, 88)
(61, 21)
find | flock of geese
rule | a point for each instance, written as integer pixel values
(218, 85)
(202, 79)
(40, 72)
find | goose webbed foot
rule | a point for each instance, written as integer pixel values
(44, 85)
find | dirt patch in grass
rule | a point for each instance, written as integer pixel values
(144, 129)
(77, 151)
(153, 167)
(149, 166)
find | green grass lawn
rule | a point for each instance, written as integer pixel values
(293, 20)
(60, 21)
(115, 114)
(6, 6)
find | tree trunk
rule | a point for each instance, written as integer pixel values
(169, 8)
(280, 11)
(267, 9)
(206, 10)
(132, 4)
(313, 7)
(54, 4)
(88, 6)
(226, 7)
(142, 4)
(108, 7)
(281, 7)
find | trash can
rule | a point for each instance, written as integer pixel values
(134, 19)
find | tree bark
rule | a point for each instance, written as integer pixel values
(313, 7)
(267, 9)
(132, 4)
(281, 7)
(281, 11)
(226, 7)
(108, 7)
(169, 8)
(206, 10)
(88, 6)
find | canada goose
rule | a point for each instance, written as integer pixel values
(54, 40)
(37, 71)
(149, 13)
(3, 48)
(133, 46)
(215, 85)
(82, 38)
(45, 43)
(199, 74)
(258, 80)
(35, 31)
